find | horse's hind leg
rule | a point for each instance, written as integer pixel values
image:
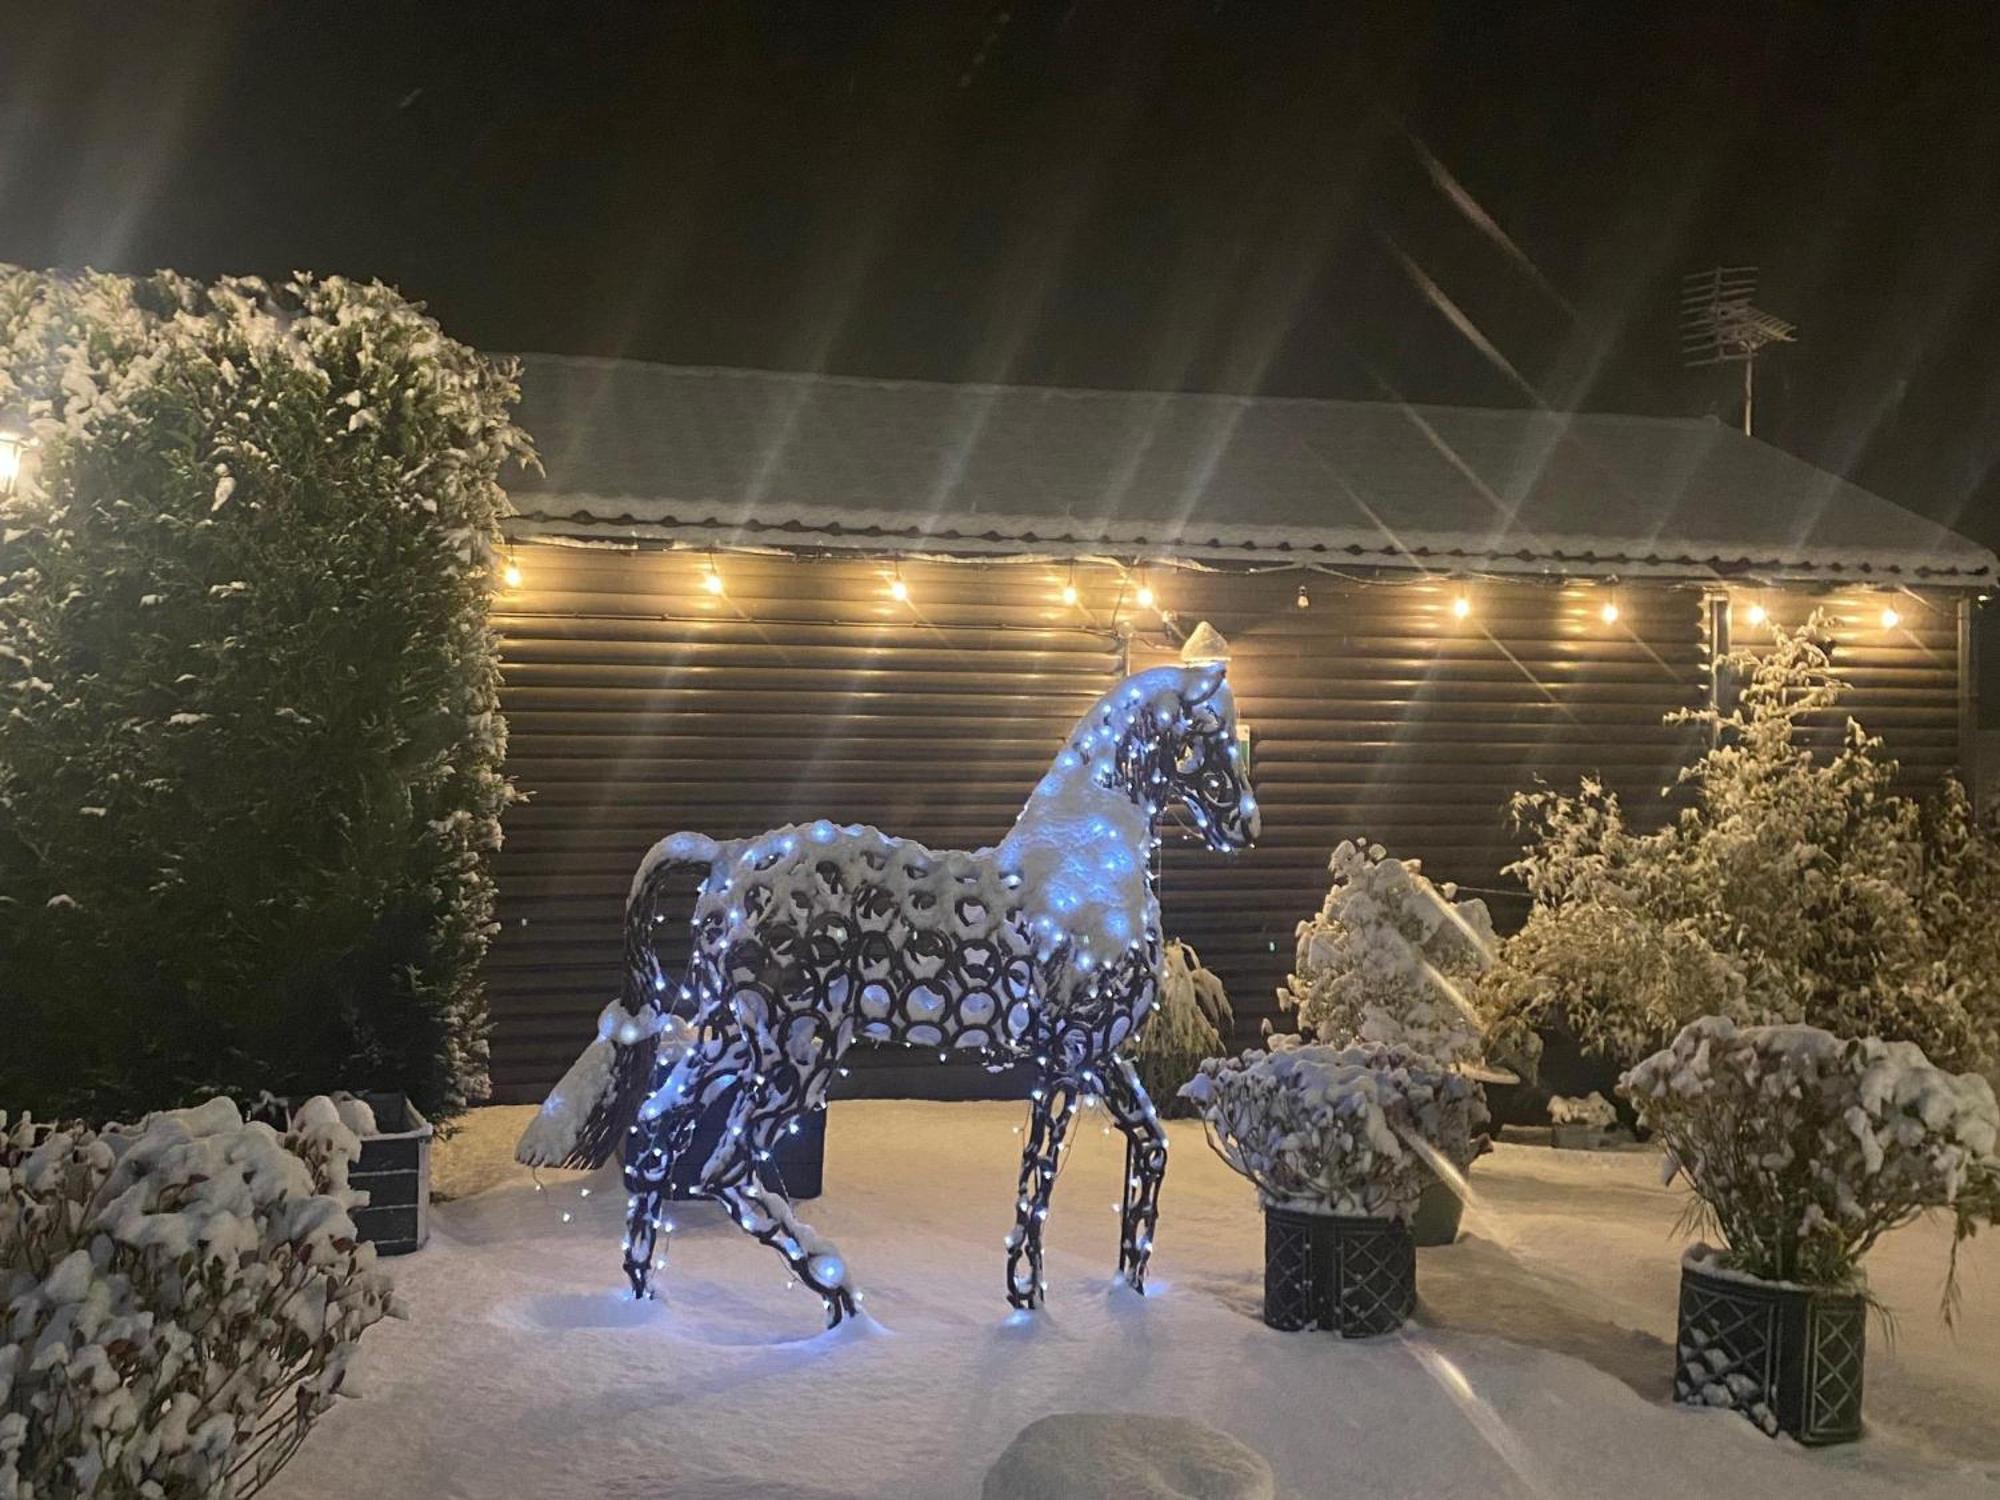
(1051, 1106)
(1145, 1168)
(767, 1216)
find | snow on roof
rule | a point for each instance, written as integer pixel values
(715, 457)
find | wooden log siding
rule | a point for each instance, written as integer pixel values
(639, 704)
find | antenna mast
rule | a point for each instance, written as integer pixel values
(1719, 326)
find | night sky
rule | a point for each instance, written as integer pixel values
(1489, 205)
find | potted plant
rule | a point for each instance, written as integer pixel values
(1191, 1021)
(1337, 1141)
(1803, 1149)
(1388, 959)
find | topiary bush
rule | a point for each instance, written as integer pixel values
(250, 753)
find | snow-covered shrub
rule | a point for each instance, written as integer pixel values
(1389, 958)
(1803, 1148)
(1794, 887)
(178, 1301)
(1190, 1021)
(1593, 1109)
(1335, 1130)
(249, 743)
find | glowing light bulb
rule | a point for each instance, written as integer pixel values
(899, 591)
(1304, 601)
(1461, 606)
(712, 581)
(1756, 614)
(511, 575)
(1145, 596)
(1069, 593)
(1609, 614)
(1890, 618)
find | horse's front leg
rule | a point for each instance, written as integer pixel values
(645, 1194)
(1050, 1108)
(1145, 1168)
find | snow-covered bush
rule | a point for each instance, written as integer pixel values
(1803, 1148)
(1794, 887)
(1389, 958)
(178, 1301)
(1190, 1021)
(1335, 1130)
(249, 742)
(1593, 1109)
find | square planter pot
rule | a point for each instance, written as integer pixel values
(1789, 1358)
(798, 1160)
(1356, 1276)
(394, 1169)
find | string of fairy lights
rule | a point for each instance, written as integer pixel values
(1136, 583)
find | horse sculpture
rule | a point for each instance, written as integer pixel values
(1045, 947)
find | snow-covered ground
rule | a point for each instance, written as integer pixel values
(1539, 1369)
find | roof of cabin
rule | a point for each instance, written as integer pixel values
(714, 457)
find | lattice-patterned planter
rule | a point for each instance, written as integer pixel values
(1356, 1276)
(394, 1169)
(1789, 1358)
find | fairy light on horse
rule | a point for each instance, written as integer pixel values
(1044, 948)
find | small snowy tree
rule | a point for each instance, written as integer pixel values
(1390, 958)
(1189, 1023)
(181, 1301)
(1794, 887)
(249, 741)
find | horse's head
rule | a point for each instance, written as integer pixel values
(1202, 760)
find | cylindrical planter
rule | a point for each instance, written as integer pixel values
(1355, 1276)
(798, 1158)
(1789, 1358)
(394, 1169)
(1438, 1213)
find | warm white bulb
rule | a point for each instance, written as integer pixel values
(1890, 619)
(1756, 614)
(1304, 600)
(1145, 597)
(712, 582)
(1609, 614)
(511, 576)
(899, 590)
(1069, 593)
(1461, 606)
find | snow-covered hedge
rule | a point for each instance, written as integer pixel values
(1804, 1148)
(1190, 1022)
(178, 1301)
(249, 743)
(1336, 1130)
(1796, 886)
(1389, 958)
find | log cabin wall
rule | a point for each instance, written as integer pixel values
(640, 703)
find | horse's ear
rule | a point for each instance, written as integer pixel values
(1205, 647)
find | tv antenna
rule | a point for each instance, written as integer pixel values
(1719, 326)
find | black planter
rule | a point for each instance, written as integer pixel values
(798, 1159)
(1356, 1276)
(394, 1169)
(1790, 1359)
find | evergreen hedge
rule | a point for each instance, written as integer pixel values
(250, 752)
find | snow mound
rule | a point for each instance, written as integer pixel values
(1126, 1456)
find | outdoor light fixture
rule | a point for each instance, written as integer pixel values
(11, 445)
(511, 574)
(1609, 614)
(1756, 614)
(1145, 595)
(1304, 600)
(899, 590)
(712, 580)
(1461, 606)
(1890, 618)
(1069, 586)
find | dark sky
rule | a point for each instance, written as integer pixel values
(1481, 204)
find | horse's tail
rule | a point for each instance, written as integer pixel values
(587, 1116)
